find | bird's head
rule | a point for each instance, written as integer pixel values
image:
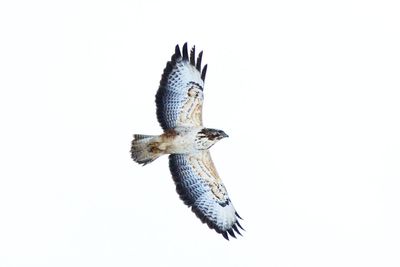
(207, 137)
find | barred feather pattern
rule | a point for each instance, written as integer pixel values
(200, 187)
(179, 98)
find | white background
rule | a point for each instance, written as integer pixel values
(309, 92)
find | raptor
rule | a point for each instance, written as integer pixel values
(179, 102)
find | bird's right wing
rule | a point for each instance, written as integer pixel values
(200, 187)
(179, 98)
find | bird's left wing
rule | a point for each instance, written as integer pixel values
(179, 98)
(200, 187)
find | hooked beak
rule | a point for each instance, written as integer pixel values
(224, 135)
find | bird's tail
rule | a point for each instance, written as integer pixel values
(144, 149)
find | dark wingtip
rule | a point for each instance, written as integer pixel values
(237, 214)
(177, 51)
(232, 233)
(225, 235)
(236, 229)
(192, 53)
(237, 222)
(185, 54)
(203, 73)
(198, 64)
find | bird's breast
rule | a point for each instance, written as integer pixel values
(182, 141)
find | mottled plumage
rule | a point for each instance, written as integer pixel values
(179, 102)
(180, 96)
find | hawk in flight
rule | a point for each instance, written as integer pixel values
(179, 111)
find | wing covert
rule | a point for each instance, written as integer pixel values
(200, 188)
(179, 98)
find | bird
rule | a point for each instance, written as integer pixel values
(179, 102)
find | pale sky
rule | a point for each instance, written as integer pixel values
(308, 91)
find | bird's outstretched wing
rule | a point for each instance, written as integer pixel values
(179, 98)
(199, 186)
